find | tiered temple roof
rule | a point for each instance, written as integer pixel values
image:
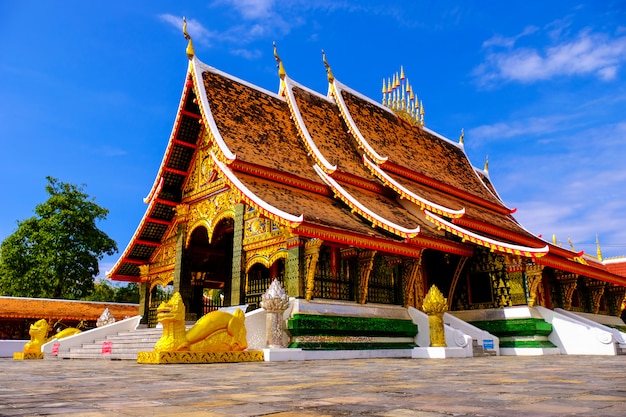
(339, 166)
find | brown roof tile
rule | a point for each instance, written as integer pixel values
(415, 148)
(257, 126)
(323, 122)
(43, 308)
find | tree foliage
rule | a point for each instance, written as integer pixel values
(105, 290)
(55, 253)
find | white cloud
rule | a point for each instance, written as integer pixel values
(251, 9)
(499, 40)
(588, 53)
(247, 53)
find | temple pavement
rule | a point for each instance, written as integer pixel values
(485, 386)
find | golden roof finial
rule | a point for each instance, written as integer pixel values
(401, 72)
(571, 245)
(554, 239)
(486, 167)
(190, 51)
(331, 77)
(281, 68)
(598, 249)
(462, 137)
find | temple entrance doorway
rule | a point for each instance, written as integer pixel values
(206, 282)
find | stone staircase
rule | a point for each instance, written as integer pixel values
(124, 346)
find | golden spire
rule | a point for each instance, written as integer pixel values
(598, 249)
(190, 51)
(571, 245)
(281, 68)
(384, 93)
(331, 77)
(402, 72)
(462, 137)
(486, 167)
(554, 239)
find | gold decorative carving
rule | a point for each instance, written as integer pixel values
(618, 294)
(568, 282)
(210, 211)
(366, 263)
(217, 331)
(156, 358)
(311, 256)
(596, 289)
(435, 304)
(534, 274)
(265, 256)
(163, 279)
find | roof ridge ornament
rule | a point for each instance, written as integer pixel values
(462, 137)
(398, 95)
(281, 68)
(599, 251)
(331, 77)
(486, 166)
(190, 51)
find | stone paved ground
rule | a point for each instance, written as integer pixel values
(491, 386)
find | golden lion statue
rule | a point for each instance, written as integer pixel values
(38, 332)
(217, 331)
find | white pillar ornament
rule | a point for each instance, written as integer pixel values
(275, 301)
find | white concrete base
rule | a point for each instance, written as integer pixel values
(438, 352)
(282, 355)
(529, 351)
(8, 347)
(279, 355)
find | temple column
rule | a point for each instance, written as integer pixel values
(413, 282)
(311, 255)
(236, 296)
(534, 275)
(294, 267)
(144, 293)
(366, 263)
(180, 220)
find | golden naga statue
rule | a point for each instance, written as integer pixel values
(38, 332)
(435, 304)
(217, 331)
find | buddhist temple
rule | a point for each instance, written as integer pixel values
(345, 200)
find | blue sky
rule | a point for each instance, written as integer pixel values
(89, 91)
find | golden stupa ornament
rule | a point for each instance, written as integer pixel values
(398, 95)
(190, 51)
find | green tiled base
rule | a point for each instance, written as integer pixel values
(526, 344)
(317, 332)
(519, 333)
(308, 324)
(349, 346)
(515, 327)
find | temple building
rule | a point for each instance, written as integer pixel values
(344, 200)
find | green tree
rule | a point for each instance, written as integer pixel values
(55, 253)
